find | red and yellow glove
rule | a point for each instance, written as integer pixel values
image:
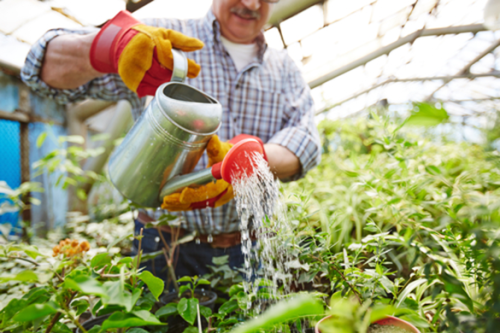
(212, 194)
(141, 54)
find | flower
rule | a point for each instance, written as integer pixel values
(70, 247)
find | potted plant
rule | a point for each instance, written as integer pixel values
(347, 315)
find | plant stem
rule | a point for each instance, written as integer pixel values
(58, 314)
(25, 259)
(171, 271)
(75, 321)
(139, 253)
(356, 293)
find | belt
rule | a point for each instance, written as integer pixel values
(222, 241)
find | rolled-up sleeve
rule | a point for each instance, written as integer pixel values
(109, 87)
(299, 133)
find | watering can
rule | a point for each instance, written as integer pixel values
(159, 153)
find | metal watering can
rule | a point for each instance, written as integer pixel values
(159, 153)
(167, 140)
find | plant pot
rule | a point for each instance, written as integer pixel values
(389, 320)
(209, 301)
(176, 323)
(93, 322)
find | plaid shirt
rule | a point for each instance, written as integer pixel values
(268, 98)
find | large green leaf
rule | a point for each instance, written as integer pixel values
(154, 284)
(187, 308)
(100, 259)
(117, 294)
(426, 115)
(34, 311)
(24, 276)
(167, 310)
(282, 312)
(456, 288)
(86, 285)
(137, 318)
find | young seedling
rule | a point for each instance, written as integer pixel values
(192, 284)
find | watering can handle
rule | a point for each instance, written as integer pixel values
(179, 72)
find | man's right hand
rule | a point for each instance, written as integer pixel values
(141, 54)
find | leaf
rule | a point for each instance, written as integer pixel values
(81, 194)
(24, 276)
(34, 311)
(283, 312)
(202, 281)
(41, 139)
(205, 311)
(167, 310)
(183, 289)
(86, 285)
(191, 329)
(187, 309)
(228, 307)
(73, 139)
(154, 284)
(100, 259)
(456, 288)
(433, 170)
(137, 318)
(409, 288)
(81, 306)
(117, 294)
(185, 279)
(235, 289)
(220, 260)
(426, 115)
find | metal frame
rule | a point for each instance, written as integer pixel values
(473, 28)
(415, 79)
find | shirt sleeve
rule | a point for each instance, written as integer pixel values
(299, 133)
(109, 87)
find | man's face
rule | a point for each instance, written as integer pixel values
(241, 20)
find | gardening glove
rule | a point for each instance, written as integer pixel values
(140, 54)
(213, 194)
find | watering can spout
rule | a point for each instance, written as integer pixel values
(239, 162)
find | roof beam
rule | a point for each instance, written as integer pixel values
(416, 79)
(466, 68)
(473, 28)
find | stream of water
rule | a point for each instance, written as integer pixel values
(262, 212)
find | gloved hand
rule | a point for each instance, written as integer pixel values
(209, 195)
(141, 54)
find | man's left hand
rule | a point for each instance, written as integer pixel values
(209, 195)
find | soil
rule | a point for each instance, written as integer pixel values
(375, 328)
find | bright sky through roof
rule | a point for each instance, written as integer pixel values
(322, 39)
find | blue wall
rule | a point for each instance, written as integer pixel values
(10, 167)
(54, 201)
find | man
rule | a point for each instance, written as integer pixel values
(261, 90)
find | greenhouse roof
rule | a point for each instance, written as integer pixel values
(354, 53)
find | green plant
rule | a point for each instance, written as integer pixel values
(62, 290)
(192, 283)
(65, 161)
(401, 216)
(221, 276)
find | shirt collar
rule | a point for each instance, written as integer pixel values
(212, 25)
